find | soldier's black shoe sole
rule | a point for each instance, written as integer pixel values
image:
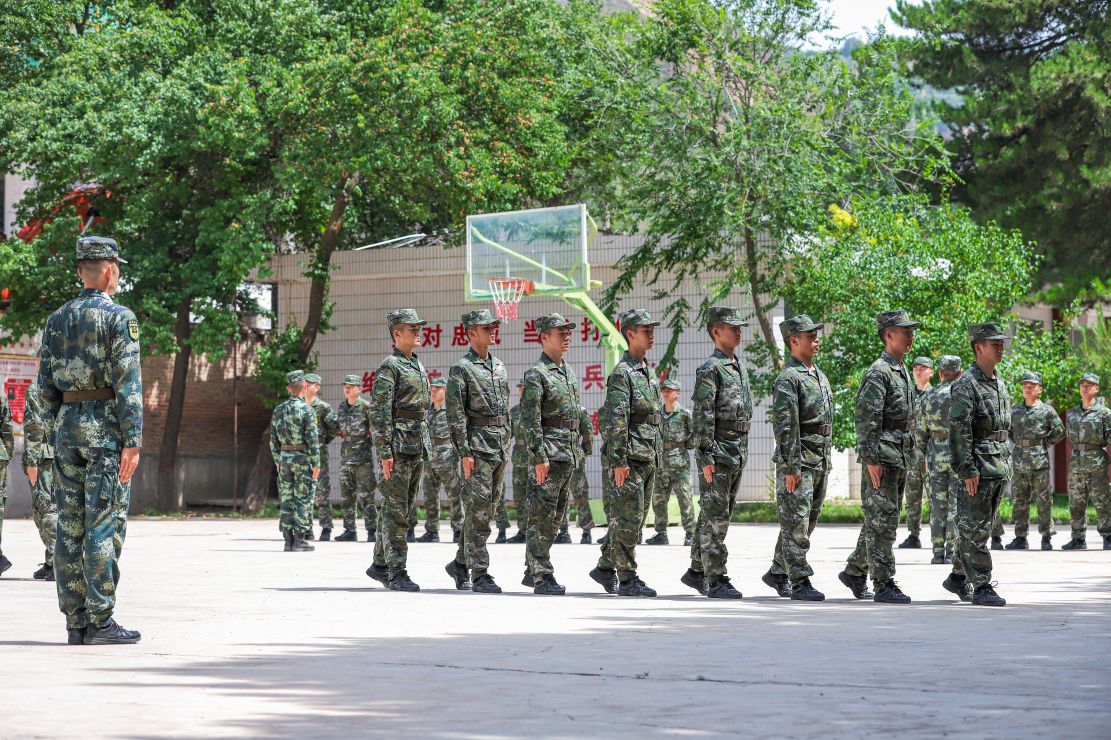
(859, 586)
(379, 574)
(459, 574)
(697, 581)
(605, 579)
(1018, 544)
(5, 564)
(781, 587)
(960, 589)
(112, 634)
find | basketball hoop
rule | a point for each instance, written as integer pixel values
(507, 294)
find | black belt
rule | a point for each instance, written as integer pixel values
(940, 435)
(1085, 447)
(1027, 442)
(675, 445)
(488, 421)
(644, 419)
(823, 429)
(96, 394)
(559, 423)
(890, 425)
(295, 448)
(731, 425)
(998, 436)
(409, 414)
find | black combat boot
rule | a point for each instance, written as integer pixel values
(605, 538)
(1107, 542)
(804, 591)
(721, 588)
(517, 539)
(586, 538)
(1074, 544)
(996, 543)
(501, 539)
(455, 535)
(402, 582)
(1047, 542)
(688, 539)
(563, 538)
(634, 587)
(957, 584)
(1018, 543)
(300, 545)
(857, 584)
(911, 542)
(607, 579)
(379, 573)
(4, 563)
(485, 584)
(45, 573)
(326, 534)
(695, 580)
(459, 574)
(985, 596)
(288, 534)
(411, 535)
(659, 539)
(528, 580)
(75, 636)
(429, 537)
(110, 633)
(349, 535)
(889, 593)
(547, 586)
(779, 583)
(370, 535)
(938, 559)
(309, 535)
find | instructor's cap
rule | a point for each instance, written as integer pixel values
(404, 316)
(924, 362)
(797, 325)
(947, 363)
(1090, 378)
(438, 383)
(479, 317)
(294, 376)
(725, 315)
(312, 378)
(985, 332)
(98, 248)
(553, 321)
(1031, 377)
(635, 317)
(898, 317)
(672, 385)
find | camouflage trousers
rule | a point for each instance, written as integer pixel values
(547, 505)
(628, 506)
(520, 492)
(1089, 486)
(44, 510)
(357, 483)
(3, 495)
(708, 551)
(92, 525)
(399, 499)
(916, 484)
(322, 492)
(448, 477)
(676, 481)
(580, 497)
(798, 516)
(295, 492)
(974, 523)
(480, 495)
(1027, 485)
(944, 487)
(880, 507)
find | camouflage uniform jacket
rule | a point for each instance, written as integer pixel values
(1089, 426)
(441, 446)
(802, 418)
(586, 432)
(931, 433)
(400, 398)
(550, 409)
(884, 414)
(354, 427)
(327, 423)
(630, 416)
(92, 343)
(294, 423)
(677, 437)
(915, 404)
(38, 443)
(979, 407)
(7, 430)
(722, 407)
(520, 443)
(477, 393)
(1041, 423)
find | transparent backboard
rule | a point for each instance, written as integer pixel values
(545, 245)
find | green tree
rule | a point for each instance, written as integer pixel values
(1050, 351)
(1028, 134)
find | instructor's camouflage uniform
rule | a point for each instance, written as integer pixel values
(295, 445)
(38, 452)
(357, 477)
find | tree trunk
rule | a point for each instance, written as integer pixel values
(753, 264)
(318, 292)
(169, 497)
(261, 478)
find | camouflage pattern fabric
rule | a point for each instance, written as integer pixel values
(721, 409)
(931, 434)
(327, 425)
(979, 409)
(399, 497)
(916, 474)
(91, 343)
(440, 471)
(294, 424)
(1088, 468)
(1040, 424)
(580, 493)
(358, 479)
(7, 449)
(38, 452)
(519, 461)
(674, 475)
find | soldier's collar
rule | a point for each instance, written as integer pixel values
(474, 356)
(402, 355)
(628, 359)
(722, 356)
(93, 291)
(792, 362)
(549, 361)
(890, 360)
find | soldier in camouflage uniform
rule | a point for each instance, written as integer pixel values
(400, 400)
(520, 465)
(7, 449)
(357, 479)
(327, 424)
(802, 421)
(295, 446)
(478, 411)
(1089, 433)
(979, 423)
(674, 475)
(38, 464)
(931, 436)
(922, 370)
(580, 492)
(722, 412)
(442, 468)
(630, 424)
(550, 408)
(1035, 427)
(885, 447)
(90, 381)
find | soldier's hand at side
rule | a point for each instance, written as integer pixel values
(468, 467)
(708, 473)
(316, 473)
(875, 472)
(33, 476)
(972, 485)
(129, 461)
(792, 482)
(620, 475)
(387, 468)
(542, 473)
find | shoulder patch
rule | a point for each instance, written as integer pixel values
(133, 329)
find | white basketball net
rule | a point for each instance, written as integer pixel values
(507, 294)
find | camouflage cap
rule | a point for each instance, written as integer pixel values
(98, 248)
(926, 362)
(725, 315)
(947, 363)
(479, 317)
(438, 383)
(898, 317)
(553, 321)
(294, 376)
(797, 325)
(312, 378)
(635, 317)
(352, 379)
(404, 316)
(985, 332)
(671, 384)
(1031, 377)
(1090, 378)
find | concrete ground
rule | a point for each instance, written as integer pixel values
(240, 638)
